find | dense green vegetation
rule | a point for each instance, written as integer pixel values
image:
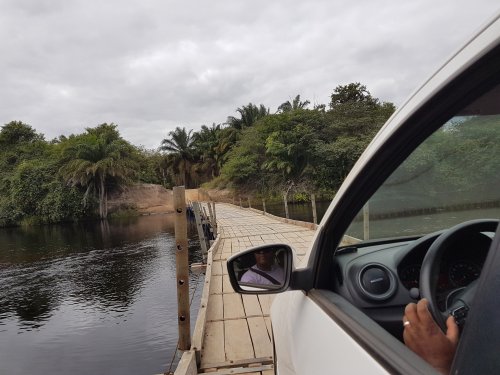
(303, 150)
(295, 149)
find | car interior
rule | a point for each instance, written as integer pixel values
(427, 230)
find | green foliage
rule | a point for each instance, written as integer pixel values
(244, 160)
(33, 193)
(29, 186)
(301, 197)
(296, 103)
(98, 161)
(352, 93)
(16, 132)
(288, 150)
(241, 168)
(296, 150)
(62, 203)
(300, 150)
(206, 143)
(180, 154)
(9, 213)
(439, 164)
(152, 168)
(249, 114)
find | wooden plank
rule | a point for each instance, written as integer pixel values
(199, 329)
(226, 284)
(260, 339)
(269, 327)
(237, 343)
(217, 267)
(233, 306)
(251, 305)
(242, 370)
(213, 344)
(250, 362)
(215, 308)
(201, 235)
(187, 364)
(216, 285)
(265, 302)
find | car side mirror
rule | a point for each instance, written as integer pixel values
(261, 270)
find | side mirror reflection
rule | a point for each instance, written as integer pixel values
(263, 269)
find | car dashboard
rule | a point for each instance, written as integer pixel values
(381, 277)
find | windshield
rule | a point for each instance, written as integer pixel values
(453, 176)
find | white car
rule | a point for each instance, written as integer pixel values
(429, 183)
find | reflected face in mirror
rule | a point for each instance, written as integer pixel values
(264, 269)
(264, 259)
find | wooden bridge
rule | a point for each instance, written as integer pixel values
(233, 332)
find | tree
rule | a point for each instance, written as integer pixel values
(249, 115)
(352, 93)
(153, 167)
(20, 146)
(16, 132)
(295, 104)
(181, 151)
(355, 113)
(97, 159)
(205, 144)
(288, 149)
(243, 166)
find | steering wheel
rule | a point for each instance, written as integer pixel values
(429, 273)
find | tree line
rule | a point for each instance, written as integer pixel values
(257, 152)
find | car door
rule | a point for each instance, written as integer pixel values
(318, 330)
(477, 352)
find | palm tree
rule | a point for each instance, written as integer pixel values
(295, 104)
(249, 115)
(181, 151)
(226, 139)
(95, 158)
(205, 143)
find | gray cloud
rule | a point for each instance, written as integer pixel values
(150, 66)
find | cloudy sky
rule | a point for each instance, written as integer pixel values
(152, 65)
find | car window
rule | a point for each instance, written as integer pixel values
(453, 176)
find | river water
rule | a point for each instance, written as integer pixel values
(94, 298)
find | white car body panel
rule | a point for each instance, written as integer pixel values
(314, 342)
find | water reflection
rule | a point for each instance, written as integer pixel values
(66, 288)
(296, 211)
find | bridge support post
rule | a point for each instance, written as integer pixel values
(182, 268)
(285, 200)
(313, 202)
(366, 221)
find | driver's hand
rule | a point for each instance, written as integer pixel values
(424, 337)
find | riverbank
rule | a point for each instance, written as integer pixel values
(154, 199)
(151, 199)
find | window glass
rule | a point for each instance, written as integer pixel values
(453, 176)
